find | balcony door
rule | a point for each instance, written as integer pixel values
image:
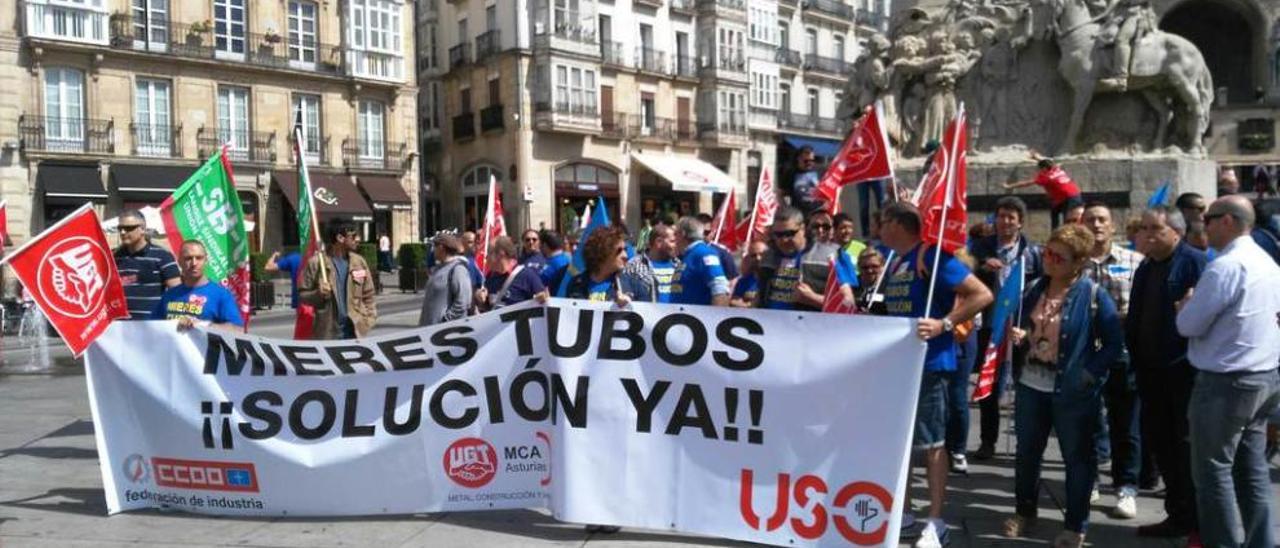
(371, 125)
(233, 120)
(151, 123)
(151, 25)
(229, 28)
(302, 34)
(64, 109)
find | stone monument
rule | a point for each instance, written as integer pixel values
(1121, 104)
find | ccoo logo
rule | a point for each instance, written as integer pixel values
(72, 275)
(135, 469)
(471, 462)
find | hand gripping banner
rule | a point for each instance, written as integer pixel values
(783, 428)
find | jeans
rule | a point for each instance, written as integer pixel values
(1118, 429)
(1074, 420)
(989, 407)
(864, 203)
(931, 411)
(1228, 415)
(958, 395)
(1164, 393)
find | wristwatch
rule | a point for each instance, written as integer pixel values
(947, 325)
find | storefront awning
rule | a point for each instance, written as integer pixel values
(825, 148)
(686, 174)
(385, 193)
(334, 195)
(149, 182)
(70, 183)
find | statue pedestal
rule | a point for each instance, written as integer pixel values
(1122, 181)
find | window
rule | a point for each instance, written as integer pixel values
(732, 110)
(565, 16)
(463, 31)
(813, 101)
(229, 27)
(432, 46)
(729, 49)
(811, 41)
(764, 90)
(495, 92)
(491, 17)
(784, 35)
(763, 23)
(370, 128)
(233, 119)
(784, 98)
(576, 90)
(374, 35)
(64, 109)
(150, 24)
(302, 32)
(464, 100)
(152, 134)
(76, 20)
(588, 175)
(309, 107)
(837, 47)
(475, 190)
(648, 117)
(431, 108)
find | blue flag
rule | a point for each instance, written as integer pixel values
(1160, 197)
(1007, 303)
(599, 218)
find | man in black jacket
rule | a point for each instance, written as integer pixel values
(996, 256)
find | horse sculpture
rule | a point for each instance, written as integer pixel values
(1165, 68)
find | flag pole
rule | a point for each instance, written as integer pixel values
(724, 211)
(755, 207)
(946, 204)
(488, 217)
(311, 204)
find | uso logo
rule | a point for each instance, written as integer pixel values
(471, 462)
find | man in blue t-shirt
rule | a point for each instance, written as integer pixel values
(906, 287)
(804, 184)
(290, 264)
(508, 281)
(700, 277)
(556, 260)
(196, 298)
(146, 269)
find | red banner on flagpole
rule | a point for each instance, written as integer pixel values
(70, 272)
(495, 226)
(864, 156)
(766, 205)
(832, 301)
(724, 225)
(987, 377)
(942, 200)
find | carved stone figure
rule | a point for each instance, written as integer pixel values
(869, 81)
(946, 65)
(1124, 23)
(906, 82)
(998, 72)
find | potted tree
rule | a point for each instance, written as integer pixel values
(262, 291)
(370, 253)
(196, 35)
(412, 259)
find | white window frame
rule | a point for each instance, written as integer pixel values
(371, 129)
(764, 90)
(838, 47)
(150, 24)
(64, 105)
(729, 48)
(374, 34)
(71, 20)
(234, 119)
(813, 101)
(312, 128)
(811, 41)
(576, 89)
(304, 45)
(763, 24)
(152, 116)
(230, 43)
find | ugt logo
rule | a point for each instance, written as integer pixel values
(73, 276)
(471, 462)
(859, 511)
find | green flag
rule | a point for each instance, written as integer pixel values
(206, 208)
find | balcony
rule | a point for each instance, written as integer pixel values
(568, 117)
(657, 130)
(651, 60)
(811, 124)
(686, 130)
(686, 66)
(377, 65)
(613, 125)
(611, 55)
(684, 7)
(243, 146)
(315, 151)
(870, 18)
(42, 134)
(488, 44)
(66, 23)
(650, 3)
(762, 119)
(827, 65)
(725, 9)
(788, 58)
(564, 33)
(491, 118)
(265, 50)
(156, 140)
(730, 132)
(459, 56)
(728, 64)
(464, 126)
(832, 9)
(375, 155)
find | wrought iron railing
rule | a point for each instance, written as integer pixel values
(156, 140)
(66, 134)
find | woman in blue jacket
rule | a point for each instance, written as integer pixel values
(1074, 334)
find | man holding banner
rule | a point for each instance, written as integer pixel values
(906, 288)
(343, 296)
(195, 299)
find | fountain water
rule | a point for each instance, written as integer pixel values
(33, 335)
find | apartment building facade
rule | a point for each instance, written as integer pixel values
(121, 99)
(659, 106)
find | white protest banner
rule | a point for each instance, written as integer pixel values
(773, 427)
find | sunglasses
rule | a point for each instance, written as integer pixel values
(820, 226)
(781, 234)
(530, 239)
(1054, 257)
(129, 228)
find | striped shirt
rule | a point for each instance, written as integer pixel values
(143, 274)
(1115, 274)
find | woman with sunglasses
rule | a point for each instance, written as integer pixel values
(604, 254)
(1074, 334)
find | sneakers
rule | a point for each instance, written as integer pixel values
(959, 465)
(1069, 539)
(934, 534)
(1126, 503)
(1018, 526)
(1094, 496)
(602, 529)
(985, 452)
(1169, 528)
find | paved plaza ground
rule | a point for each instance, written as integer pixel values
(51, 487)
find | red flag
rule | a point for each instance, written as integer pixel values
(987, 378)
(763, 210)
(71, 274)
(832, 300)
(4, 223)
(494, 225)
(942, 200)
(833, 205)
(723, 226)
(863, 157)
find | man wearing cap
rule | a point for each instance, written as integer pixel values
(448, 292)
